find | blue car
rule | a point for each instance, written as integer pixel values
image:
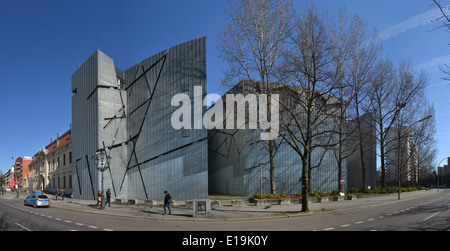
(37, 200)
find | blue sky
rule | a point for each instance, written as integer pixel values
(42, 43)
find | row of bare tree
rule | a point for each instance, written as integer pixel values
(331, 72)
(445, 20)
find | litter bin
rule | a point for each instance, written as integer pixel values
(202, 208)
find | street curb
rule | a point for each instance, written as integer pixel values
(220, 218)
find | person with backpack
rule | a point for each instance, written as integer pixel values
(99, 199)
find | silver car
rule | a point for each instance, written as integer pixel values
(37, 200)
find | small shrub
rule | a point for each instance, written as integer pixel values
(336, 192)
(258, 195)
(353, 190)
(317, 194)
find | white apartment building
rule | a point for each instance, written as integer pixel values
(407, 160)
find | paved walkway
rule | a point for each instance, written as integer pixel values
(248, 211)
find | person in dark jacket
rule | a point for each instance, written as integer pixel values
(108, 197)
(167, 201)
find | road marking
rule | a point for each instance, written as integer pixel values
(107, 229)
(345, 225)
(94, 227)
(67, 221)
(328, 229)
(79, 224)
(359, 222)
(429, 217)
(380, 217)
(22, 227)
(371, 219)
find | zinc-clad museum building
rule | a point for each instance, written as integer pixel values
(239, 161)
(127, 114)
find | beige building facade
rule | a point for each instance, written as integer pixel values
(51, 167)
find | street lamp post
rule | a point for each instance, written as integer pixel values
(438, 171)
(102, 161)
(260, 181)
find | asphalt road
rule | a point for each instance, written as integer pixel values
(429, 212)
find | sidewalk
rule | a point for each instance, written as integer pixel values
(226, 212)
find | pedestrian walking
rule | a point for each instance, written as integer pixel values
(99, 198)
(62, 194)
(56, 194)
(167, 201)
(108, 197)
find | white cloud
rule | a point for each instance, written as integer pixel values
(439, 84)
(434, 63)
(419, 20)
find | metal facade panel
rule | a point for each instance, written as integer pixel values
(84, 127)
(234, 157)
(132, 122)
(234, 169)
(167, 74)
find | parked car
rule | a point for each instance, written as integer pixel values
(37, 200)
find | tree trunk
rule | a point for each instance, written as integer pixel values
(272, 167)
(305, 188)
(383, 167)
(340, 150)
(309, 173)
(363, 167)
